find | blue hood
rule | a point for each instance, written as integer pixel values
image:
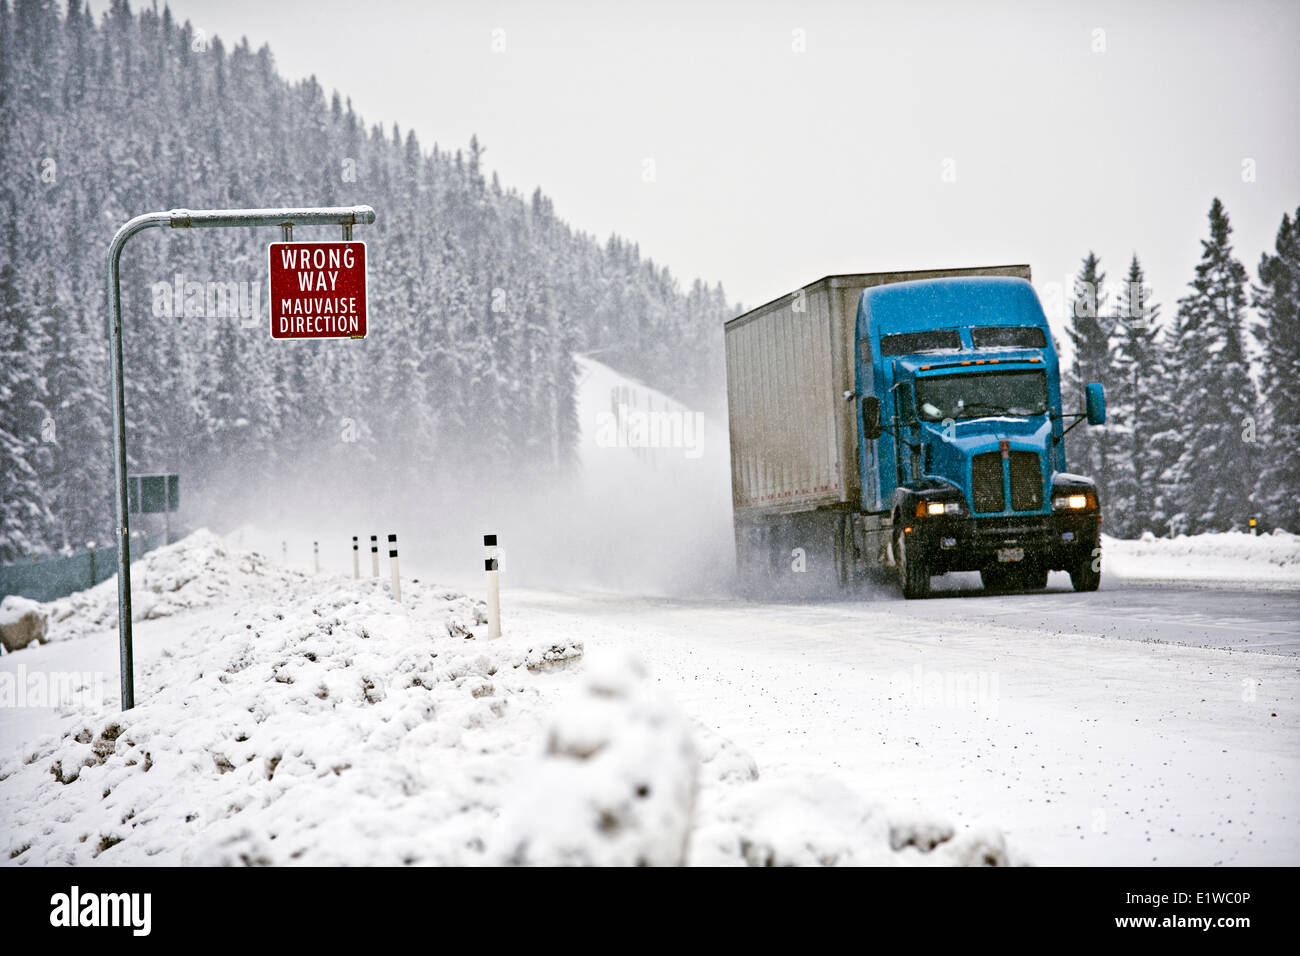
(950, 458)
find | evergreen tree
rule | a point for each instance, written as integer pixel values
(1168, 423)
(1135, 403)
(26, 427)
(1088, 334)
(1277, 297)
(1214, 475)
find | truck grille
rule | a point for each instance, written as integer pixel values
(986, 482)
(1026, 481)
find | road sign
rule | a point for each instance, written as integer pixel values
(153, 494)
(318, 290)
(286, 219)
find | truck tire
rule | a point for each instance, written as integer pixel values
(913, 575)
(1082, 575)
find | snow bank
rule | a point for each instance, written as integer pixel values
(333, 727)
(196, 572)
(820, 822)
(311, 720)
(616, 784)
(1267, 559)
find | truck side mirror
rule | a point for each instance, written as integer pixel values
(1096, 404)
(870, 417)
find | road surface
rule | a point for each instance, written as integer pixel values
(1137, 725)
(1227, 617)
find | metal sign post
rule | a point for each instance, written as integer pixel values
(286, 219)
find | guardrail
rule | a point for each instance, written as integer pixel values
(48, 577)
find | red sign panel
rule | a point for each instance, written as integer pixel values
(318, 290)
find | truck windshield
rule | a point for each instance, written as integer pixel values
(979, 395)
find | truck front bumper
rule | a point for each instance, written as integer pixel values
(1055, 541)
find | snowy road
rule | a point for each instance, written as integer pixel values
(1228, 617)
(1022, 711)
(1085, 729)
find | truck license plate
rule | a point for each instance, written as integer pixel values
(1006, 555)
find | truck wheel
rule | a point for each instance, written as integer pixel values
(913, 575)
(1082, 575)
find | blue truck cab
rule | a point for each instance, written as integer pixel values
(961, 435)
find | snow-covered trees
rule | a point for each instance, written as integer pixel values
(1211, 482)
(1088, 334)
(1277, 297)
(1203, 423)
(479, 295)
(1136, 400)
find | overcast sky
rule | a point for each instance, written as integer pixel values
(792, 140)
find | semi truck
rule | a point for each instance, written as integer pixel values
(907, 424)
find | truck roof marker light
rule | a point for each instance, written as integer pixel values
(927, 368)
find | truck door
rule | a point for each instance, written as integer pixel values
(907, 449)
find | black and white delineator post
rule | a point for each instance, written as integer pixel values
(493, 586)
(356, 559)
(392, 560)
(315, 555)
(343, 216)
(374, 555)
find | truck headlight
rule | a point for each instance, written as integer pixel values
(1076, 502)
(934, 508)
